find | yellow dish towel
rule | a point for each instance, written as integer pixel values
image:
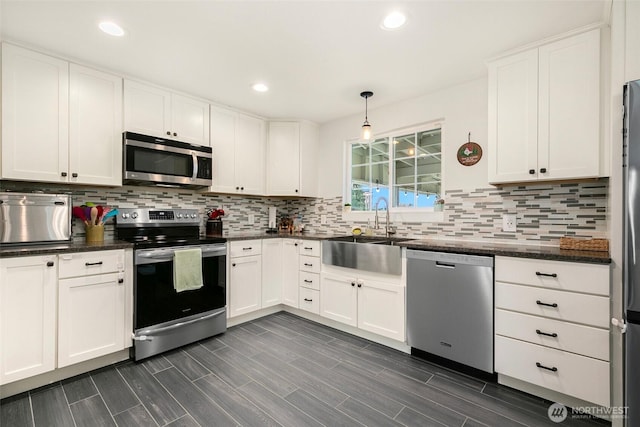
(187, 269)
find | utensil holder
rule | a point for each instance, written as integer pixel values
(214, 227)
(94, 233)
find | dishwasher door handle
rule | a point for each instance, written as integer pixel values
(444, 265)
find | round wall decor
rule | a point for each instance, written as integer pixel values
(469, 153)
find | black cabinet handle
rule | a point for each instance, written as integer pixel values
(168, 133)
(233, 265)
(242, 188)
(175, 134)
(120, 280)
(296, 190)
(49, 263)
(353, 283)
(359, 285)
(541, 366)
(543, 170)
(308, 281)
(74, 175)
(554, 305)
(247, 249)
(63, 174)
(553, 335)
(308, 300)
(307, 249)
(93, 263)
(308, 265)
(546, 274)
(295, 244)
(237, 188)
(532, 171)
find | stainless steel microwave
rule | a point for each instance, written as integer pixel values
(163, 162)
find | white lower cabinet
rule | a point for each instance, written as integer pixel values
(290, 272)
(310, 300)
(272, 272)
(76, 306)
(27, 316)
(91, 317)
(245, 277)
(370, 305)
(552, 326)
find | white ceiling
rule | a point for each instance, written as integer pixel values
(316, 56)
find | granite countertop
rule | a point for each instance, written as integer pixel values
(250, 235)
(58, 248)
(520, 251)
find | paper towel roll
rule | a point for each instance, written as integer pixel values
(272, 217)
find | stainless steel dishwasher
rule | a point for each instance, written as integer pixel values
(450, 306)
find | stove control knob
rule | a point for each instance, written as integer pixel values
(193, 215)
(125, 215)
(134, 215)
(179, 215)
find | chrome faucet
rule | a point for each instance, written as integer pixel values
(388, 228)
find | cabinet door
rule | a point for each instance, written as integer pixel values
(95, 127)
(381, 308)
(90, 317)
(35, 109)
(271, 272)
(245, 285)
(569, 108)
(338, 299)
(513, 118)
(283, 159)
(290, 272)
(250, 136)
(309, 140)
(223, 142)
(147, 109)
(189, 120)
(27, 317)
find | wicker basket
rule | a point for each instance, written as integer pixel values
(601, 245)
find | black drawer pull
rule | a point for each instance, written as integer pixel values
(120, 280)
(306, 264)
(353, 283)
(308, 300)
(307, 249)
(546, 274)
(49, 263)
(233, 265)
(359, 285)
(554, 305)
(308, 281)
(553, 335)
(93, 263)
(532, 171)
(246, 249)
(445, 265)
(543, 170)
(541, 366)
(74, 175)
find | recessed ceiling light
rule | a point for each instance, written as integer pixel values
(260, 87)
(111, 28)
(394, 20)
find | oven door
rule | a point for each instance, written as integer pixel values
(156, 300)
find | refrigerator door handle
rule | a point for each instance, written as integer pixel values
(620, 324)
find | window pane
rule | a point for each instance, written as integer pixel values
(378, 193)
(359, 154)
(429, 143)
(360, 197)
(404, 146)
(360, 174)
(405, 171)
(380, 150)
(380, 174)
(404, 196)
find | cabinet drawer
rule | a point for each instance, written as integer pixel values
(310, 280)
(584, 340)
(310, 247)
(310, 264)
(568, 373)
(310, 300)
(558, 275)
(245, 248)
(88, 263)
(572, 307)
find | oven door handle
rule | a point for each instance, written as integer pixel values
(149, 257)
(195, 165)
(147, 334)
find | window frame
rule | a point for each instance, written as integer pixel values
(402, 213)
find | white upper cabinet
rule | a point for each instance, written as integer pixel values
(154, 111)
(292, 159)
(95, 127)
(544, 112)
(238, 144)
(35, 116)
(60, 122)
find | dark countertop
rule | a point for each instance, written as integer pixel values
(7, 251)
(250, 235)
(520, 251)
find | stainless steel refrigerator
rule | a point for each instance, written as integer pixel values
(631, 268)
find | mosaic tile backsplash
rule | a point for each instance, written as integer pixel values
(544, 212)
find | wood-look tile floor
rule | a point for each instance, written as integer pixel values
(278, 370)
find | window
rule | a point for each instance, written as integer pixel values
(405, 168)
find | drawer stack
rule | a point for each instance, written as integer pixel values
(552, 325)
(309, 296)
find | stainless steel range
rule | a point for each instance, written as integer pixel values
(166, 315)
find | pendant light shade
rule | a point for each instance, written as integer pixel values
(366, 126)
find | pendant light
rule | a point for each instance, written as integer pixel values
(366, 127)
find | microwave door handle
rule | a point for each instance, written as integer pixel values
(195, 165)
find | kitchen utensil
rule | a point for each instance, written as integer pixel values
(94, 215)
(87, 212)
(112, 212)
(100, 213)
(78, 212)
